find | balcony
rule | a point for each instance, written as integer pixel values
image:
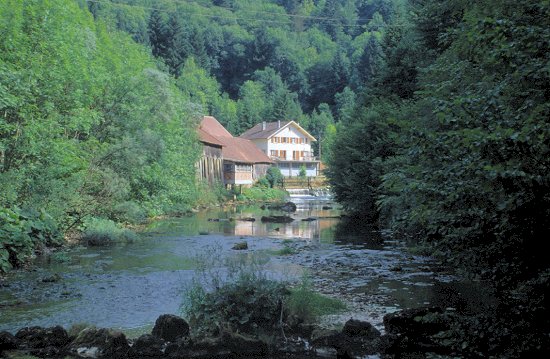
(300, 159)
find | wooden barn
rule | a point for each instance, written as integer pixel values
(227, 159)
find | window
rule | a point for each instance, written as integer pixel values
(243, 168)
(296, 155)
(274, 153)
(228, 167)
(282, 154)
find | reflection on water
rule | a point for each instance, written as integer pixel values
(313, 220)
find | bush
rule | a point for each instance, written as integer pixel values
(129, 212)
(241, 298)
(303, 172)
(23, 232)
(274, 177)
(250, 305)
(262, 183)
(102, 232)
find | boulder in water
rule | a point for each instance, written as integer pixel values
(240, 246)
(277, 219)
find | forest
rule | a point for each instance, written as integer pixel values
(431, 115)
(99, 99)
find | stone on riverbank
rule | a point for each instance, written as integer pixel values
(360, 329)
(147, 346)
(424, 330)
(170, 327)
(8, 342)
(357, 339)
(99, 343)
(40, 338)
(418, 321)
(227, 345)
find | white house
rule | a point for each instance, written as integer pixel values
(288, 144)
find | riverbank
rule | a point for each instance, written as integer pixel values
(412, 333)
(127, 286)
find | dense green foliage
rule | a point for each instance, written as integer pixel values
(450, 146)
(89, 126)
(274, 177)
(252, 61)
(237, 294)
(22, 233)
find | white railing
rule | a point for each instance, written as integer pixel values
(304, 158)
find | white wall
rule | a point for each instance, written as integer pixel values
(290, 132)
(287, 171)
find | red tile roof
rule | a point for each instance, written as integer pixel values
(208, 138)
(234, 148)
(213, 127)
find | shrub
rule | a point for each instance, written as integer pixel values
(129, 212)
(249, 305)
(263, 182)
(303, 172)
(102, 232)
(241, 298)
(274, 177)
(23, 232)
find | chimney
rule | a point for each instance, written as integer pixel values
(279, 124)
(263, 126)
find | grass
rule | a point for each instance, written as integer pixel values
(258, 194)
(285, 251)
(309, 305)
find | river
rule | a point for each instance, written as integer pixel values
(128, 286)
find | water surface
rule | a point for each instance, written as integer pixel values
(128, 286)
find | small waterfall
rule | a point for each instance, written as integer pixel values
(315, 192)
(298, 191)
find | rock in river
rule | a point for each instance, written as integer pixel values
(240, 246)
(277, 219)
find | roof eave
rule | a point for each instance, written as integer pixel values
(297, 125)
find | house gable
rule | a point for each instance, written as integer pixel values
(267, 130)
(294, 128)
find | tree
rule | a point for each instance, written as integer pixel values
(274, 176)
(251, 106)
